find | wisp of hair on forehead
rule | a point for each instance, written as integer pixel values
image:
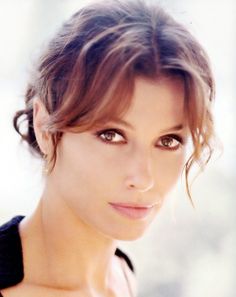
(87, 72)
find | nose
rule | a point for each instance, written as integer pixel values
(140, 175)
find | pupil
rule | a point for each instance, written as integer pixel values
(109, 135)
(167, 141)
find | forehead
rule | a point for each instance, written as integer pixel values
(157, 102)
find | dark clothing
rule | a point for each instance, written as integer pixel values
(11, 256)
(11, 260)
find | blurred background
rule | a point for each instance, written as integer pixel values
(187, 252)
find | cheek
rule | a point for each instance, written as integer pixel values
(88, 168)
(168, 169)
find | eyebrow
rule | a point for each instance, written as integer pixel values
(174, 128)
(123, 122)
(130, 126)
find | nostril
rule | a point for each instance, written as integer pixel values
(140, 187)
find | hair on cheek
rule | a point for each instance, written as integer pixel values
(86, 74)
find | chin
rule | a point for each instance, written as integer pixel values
(130, 237)
(129, 234)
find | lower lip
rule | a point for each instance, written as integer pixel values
(136, 213)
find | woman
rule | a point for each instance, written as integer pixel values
(117, 95)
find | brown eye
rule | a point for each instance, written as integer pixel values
(111, 136)
(170, 142)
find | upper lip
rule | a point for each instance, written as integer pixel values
(133, 205)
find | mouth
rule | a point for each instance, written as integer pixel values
(132, 211)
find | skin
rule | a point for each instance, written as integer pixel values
(74, 230)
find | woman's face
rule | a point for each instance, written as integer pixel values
(115, 178)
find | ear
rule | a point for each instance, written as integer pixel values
(40, 117)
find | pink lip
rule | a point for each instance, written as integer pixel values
(132, 211)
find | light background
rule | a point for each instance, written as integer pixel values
(187, 252)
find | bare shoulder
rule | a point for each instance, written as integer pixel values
(21, 290)
(24, 290)
(15, 291)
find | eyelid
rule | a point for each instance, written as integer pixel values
(175, 136)
(181, 141)
(118, 131)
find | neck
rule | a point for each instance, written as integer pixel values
(67, 253)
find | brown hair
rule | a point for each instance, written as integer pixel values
(86, 74)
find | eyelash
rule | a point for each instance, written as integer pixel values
(116, 131)
(171, 137)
